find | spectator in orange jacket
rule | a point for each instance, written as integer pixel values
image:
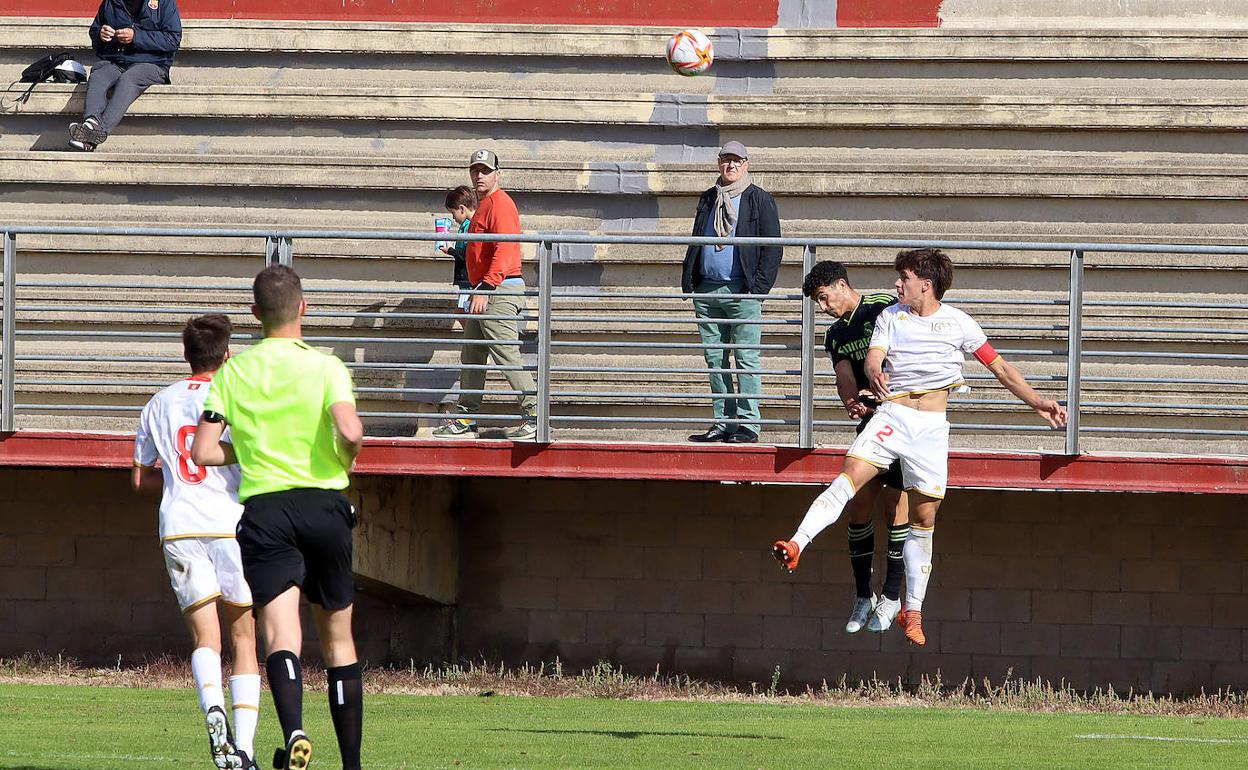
(493, 268)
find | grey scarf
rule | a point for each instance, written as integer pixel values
(725, 212)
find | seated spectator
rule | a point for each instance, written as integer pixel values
(135, 41)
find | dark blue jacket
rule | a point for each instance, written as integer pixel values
(157, 33)
(757, 216)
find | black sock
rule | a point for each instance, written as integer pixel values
(346, 707)
(286, 684)
(861, 554)
(896, 573)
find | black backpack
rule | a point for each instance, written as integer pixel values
(49, 68)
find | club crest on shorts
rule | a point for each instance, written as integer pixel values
(153, 4)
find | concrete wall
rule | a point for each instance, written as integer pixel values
(81, 573)
(1138, 591)
(1128, 590)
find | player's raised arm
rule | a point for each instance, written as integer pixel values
(208, 449)
(1013, 380)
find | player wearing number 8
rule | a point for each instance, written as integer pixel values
(199, 511)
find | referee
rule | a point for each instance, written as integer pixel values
(295, 433)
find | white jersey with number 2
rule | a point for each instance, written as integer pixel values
(197, 502)
(926, 353)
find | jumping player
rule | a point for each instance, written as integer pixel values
(198, 513)
(846, 342)
(915, 359)
(291, 413)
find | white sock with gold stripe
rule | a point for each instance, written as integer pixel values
(917, 554)
(825, 510)
(206, 668)
(245, 700)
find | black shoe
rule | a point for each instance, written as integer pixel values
(296, 755)
(716, 433)
(742, 436)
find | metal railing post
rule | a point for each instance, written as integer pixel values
(545, 282)
(1074, 352)
(806, 388)
(8, 343)
(279, 250)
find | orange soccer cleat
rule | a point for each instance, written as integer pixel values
(911, 621)
(787, 553)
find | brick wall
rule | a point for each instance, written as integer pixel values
(1132, 590)
(81, 573)
(1128, 590)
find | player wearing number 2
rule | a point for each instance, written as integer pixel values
(199, 511)
(915, 359)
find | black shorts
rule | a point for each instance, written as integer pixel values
(892, 476)
(298, 537)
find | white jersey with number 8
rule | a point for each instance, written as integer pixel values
(197, 502)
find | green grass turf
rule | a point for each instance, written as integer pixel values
(76, 728)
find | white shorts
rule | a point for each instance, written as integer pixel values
(202, 569)
(920, 440)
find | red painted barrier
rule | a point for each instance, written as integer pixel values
(684, 462)
(654, 13)
(888, 13)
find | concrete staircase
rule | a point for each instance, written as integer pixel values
(1117, 135)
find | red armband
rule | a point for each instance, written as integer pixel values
(986, 355)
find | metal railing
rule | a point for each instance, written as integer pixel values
(279, 249)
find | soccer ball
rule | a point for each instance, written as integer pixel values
(690, 52)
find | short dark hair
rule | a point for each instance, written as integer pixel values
(278, 292)
(461, 196)
(824, 273)
(932, 264)
(205, 341)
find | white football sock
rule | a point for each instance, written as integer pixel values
(825, 510)
(917, 555)
(206, 668)
(245, 701)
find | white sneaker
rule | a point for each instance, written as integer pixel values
(862, 608)
(883, 615)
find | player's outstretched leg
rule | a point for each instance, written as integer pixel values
(823, 513)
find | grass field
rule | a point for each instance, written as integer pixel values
(74, 727)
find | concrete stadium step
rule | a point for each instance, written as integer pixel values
(837, 171)
(1139, 104)
(615, 42)
(599, 317)
(605, 265)
(1108, 315)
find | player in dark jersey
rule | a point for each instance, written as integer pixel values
(846, 342)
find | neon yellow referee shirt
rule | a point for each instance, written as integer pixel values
(276, 397)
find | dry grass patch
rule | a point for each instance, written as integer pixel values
(606, 680)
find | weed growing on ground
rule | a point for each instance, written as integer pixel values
(607, 680)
